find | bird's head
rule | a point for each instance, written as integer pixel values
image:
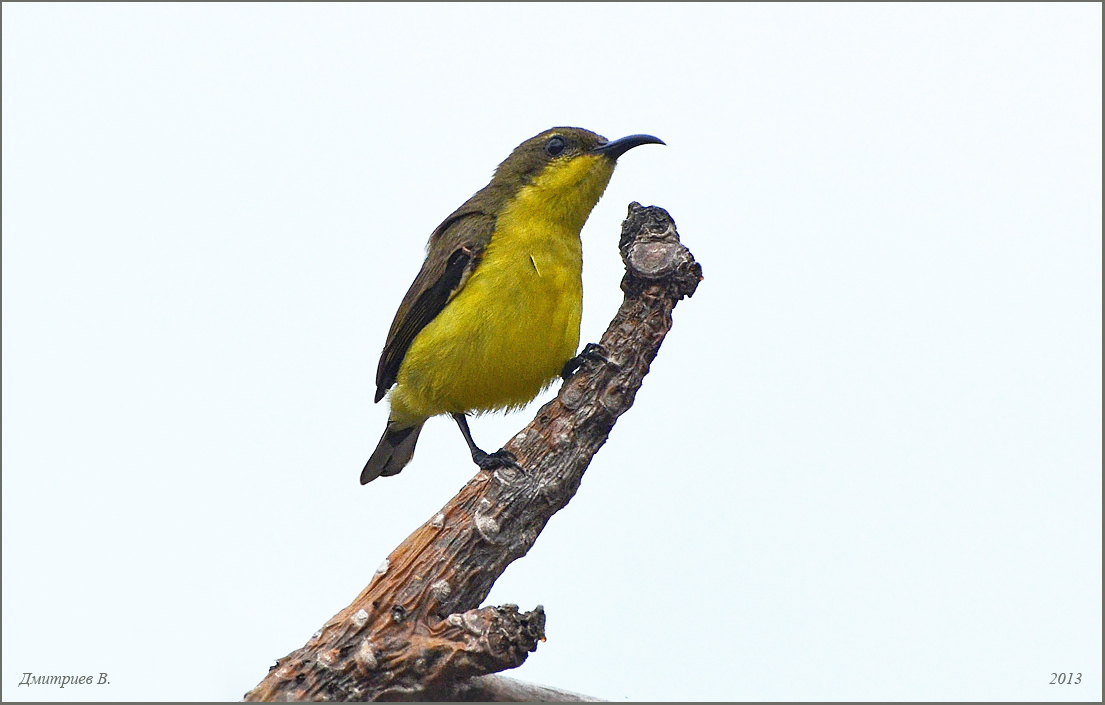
(563, 170)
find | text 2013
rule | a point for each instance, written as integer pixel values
(1066, 678)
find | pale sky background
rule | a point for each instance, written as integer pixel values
(866, 463)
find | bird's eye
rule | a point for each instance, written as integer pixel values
(555, 145)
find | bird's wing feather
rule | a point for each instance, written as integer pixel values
(455, 249)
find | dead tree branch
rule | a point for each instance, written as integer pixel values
(416, 632)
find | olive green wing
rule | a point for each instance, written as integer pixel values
(456, 247)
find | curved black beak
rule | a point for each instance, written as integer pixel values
(617, 148)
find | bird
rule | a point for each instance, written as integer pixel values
(492, 318)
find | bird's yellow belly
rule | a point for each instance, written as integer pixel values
(504, 337)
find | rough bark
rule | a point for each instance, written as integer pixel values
(416, 632)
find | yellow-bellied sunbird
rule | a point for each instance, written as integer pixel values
(493, 316)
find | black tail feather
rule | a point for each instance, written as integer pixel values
(395, 450)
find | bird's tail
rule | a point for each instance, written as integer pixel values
(395, 450)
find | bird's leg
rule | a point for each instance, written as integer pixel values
(487, 461)
(592, 352)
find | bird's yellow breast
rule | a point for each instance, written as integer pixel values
(508, 332)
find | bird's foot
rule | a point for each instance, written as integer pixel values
(501, 458)
(592, 352)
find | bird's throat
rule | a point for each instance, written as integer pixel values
(561, 197)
